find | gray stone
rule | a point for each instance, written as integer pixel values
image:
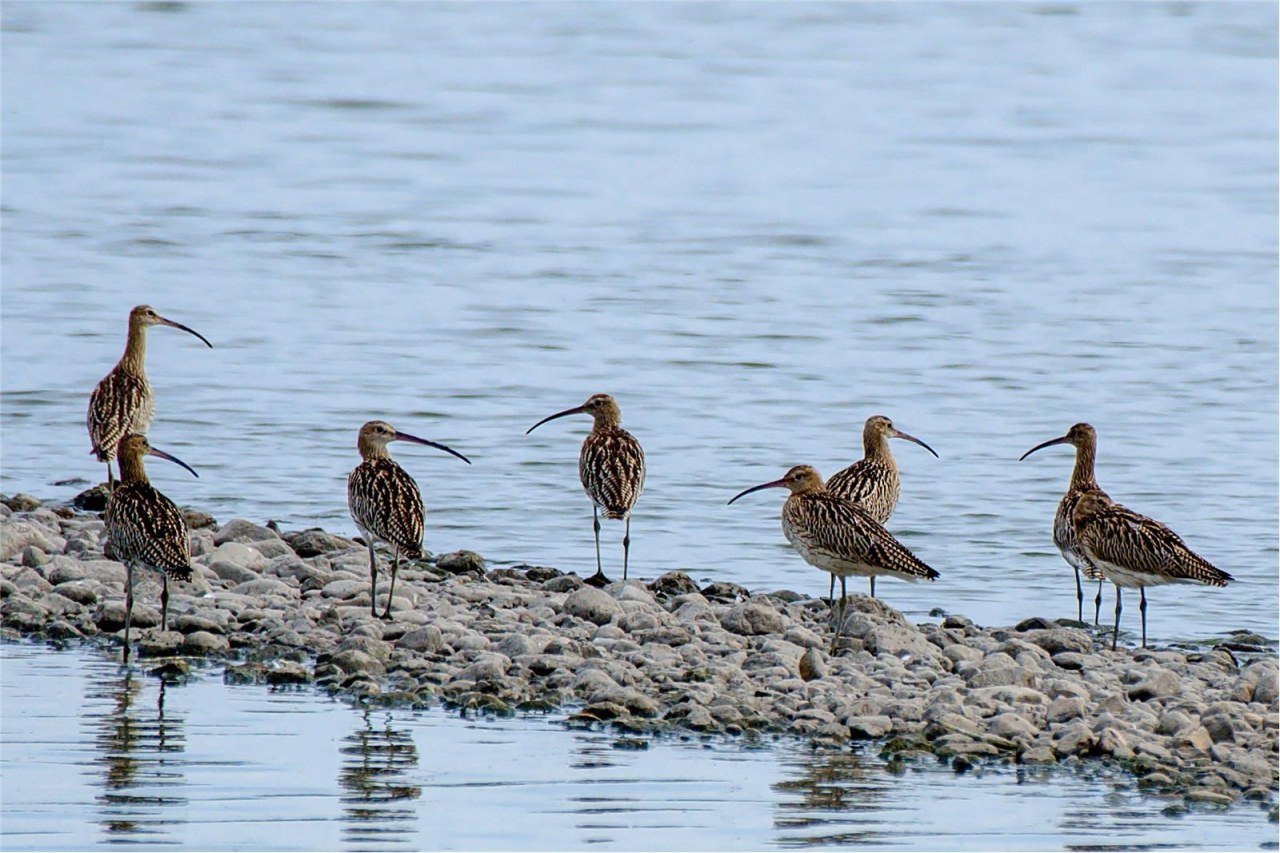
(17, 535)
(864, 728)
(315, 542)
(232, 573)
(1058, 640)
(242, 530)
(751, 618)
(461, 562)
(591, 604)
(107, 572)
(427, 639)
(811, 666)
(1158, 684)
(1010, 725)
(266, 586)
(205, 643)
(1065, 708)
(239, 554)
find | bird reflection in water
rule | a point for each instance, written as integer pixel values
(378, 801)
(140, 752)
(831, 798)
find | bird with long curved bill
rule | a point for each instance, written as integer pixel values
(123, 401)
(1084, 438)
(1131, 550)
(611, 468)
(873, 482)
(145, 530)
(839, 537)
(385, 502)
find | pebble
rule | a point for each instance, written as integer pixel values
(662, 655)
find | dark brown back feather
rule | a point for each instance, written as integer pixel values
(385, 501)
(145, 527)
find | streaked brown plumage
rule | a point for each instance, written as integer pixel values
(1131, 550)
(144, 528)
(611, 467)
(838, 536)
(873, 482)
(1084, 438)
(385, 502)
(123, 402)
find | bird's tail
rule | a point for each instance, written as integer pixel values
(182, 573)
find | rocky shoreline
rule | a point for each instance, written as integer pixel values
(293, 607)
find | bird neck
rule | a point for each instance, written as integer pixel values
(135, 348)
(1082, 474)
(603, 421)
(131, 469)
(370, 450)
(876, 446)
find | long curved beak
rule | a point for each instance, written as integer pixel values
(897, 433)
(772, 484)
(172, 458)
(187, 329)
(576, 410)
(1043, 445)
(404, 436)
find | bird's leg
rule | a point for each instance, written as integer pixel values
(1079, 596)
(1115, 637)
(873, 586)
(164, 603)
(373, 578)
(1097, 603)
(128, 606)
(111, 480)
(1142, 605)
(598, 579)
(626, 547)
(395, 567)
(831, 590)
(839, 626)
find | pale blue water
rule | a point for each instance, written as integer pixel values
(754, 224)
(93, 756)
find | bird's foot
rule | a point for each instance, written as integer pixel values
(598, 580)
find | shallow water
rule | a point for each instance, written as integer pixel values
(95, 756)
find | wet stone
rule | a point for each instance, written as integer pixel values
(461, 562)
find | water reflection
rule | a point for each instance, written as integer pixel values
(139, 751)
(378, 801)
(831, 798)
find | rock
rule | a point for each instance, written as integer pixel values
(1035, 623)
(1157, 685)
(723, 591)
(1265, 692)
(79, 591)
(1210, 795)
(1193, 737)
(205, 643)
(314, 542)
(1010, 725)
(869, 728)
(242, 530)
(591, 604)
(266, 586)
(288, 672)
(1065, 708)
(231, 572)
(238, 554)
(107, 572)
(563, 583)
(22, 502)
(197, 520)
(93, 499)
(1058, 640)
(673, 584)
(461, 562)
(428, 639)
(752, 618)
(17, 535)
(811, 665)
(189, 623)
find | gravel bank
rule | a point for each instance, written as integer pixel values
(293, 607)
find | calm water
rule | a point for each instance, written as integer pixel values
(755, 225)
(135, 762)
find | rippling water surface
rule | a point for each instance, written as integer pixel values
(96, 756)
(755, 225)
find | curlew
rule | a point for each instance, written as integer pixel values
(385, 502)
(1131, 550)
(839, 537)
(144, 528)
(123, 402)
(611, 467)
(1084, 439)
(872, 482)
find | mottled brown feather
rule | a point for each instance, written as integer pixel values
(146, 528)
(384, 501)
(611, 466)
(830, 529)
(1131, 549)
(873, 484)
(122, 403)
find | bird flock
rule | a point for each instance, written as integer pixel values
(836, 526)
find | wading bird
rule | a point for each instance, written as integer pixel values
(123, 402)
(385, 502)
(145, 529)
(873, 482)
(839, 537)
(611, 467)
(1131, 550)
(1084, 439)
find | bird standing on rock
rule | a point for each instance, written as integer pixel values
(873, 482)
(385, 502)
(839, 537)
(1131, 550)
(1084, 438)
(144, 528)
(611, 467)
(123, 402)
